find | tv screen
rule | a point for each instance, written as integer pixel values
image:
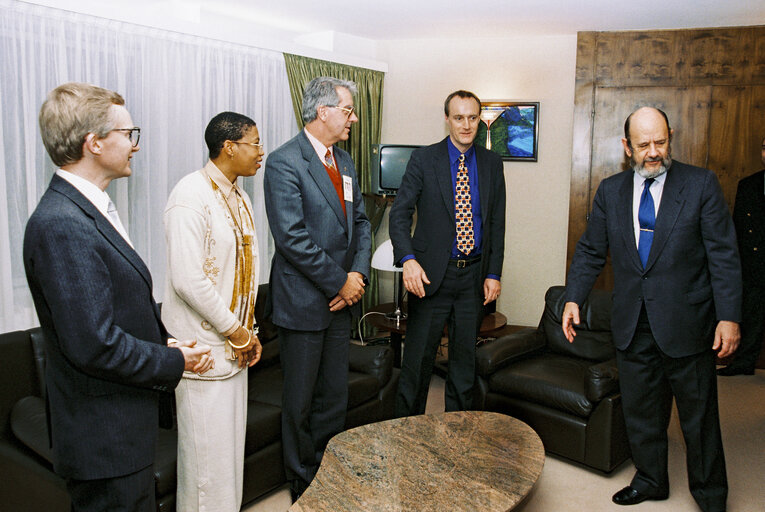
(388, 166)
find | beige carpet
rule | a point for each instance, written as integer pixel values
(566, 486)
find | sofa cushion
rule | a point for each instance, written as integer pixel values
(548, 379)
(593, 334)
(375, 360)
(263, 426)
(265, 385)
(30, 426)
(361, 387)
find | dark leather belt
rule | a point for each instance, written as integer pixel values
(464, 263)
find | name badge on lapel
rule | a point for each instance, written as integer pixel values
(347, 188)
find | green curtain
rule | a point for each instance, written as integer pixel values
(368, 102)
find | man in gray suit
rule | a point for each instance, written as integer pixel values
(676, 303)
(106, 348)
(319, 271)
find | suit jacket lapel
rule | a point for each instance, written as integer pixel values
(484, 184)
(103, 225)
(443, 170)
(319, 174)
(669, 209)
(343, 164)
(626, 223)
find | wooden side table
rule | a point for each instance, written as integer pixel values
(491, 324)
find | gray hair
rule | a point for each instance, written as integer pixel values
(322, 91)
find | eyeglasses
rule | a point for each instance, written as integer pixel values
(348, 110)
(134, 134)
(253, 144)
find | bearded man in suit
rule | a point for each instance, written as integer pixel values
(453, 261)
(107, 354)
(319, 271)
(676, 305)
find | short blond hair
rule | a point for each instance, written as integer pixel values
(72, 111)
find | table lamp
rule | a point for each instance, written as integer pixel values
(382, 259)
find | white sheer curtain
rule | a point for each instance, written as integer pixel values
(172, 83)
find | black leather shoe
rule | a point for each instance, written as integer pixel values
(297, 488)
(631, 496)
(731, 370)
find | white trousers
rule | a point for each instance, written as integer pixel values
(212, 419)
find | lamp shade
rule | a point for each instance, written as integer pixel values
(382, 259)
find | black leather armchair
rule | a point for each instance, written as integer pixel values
(567, 392)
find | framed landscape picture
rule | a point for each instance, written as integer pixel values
(510, 129)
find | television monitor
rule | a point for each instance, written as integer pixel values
(388, 164)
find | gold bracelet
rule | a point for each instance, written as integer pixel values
(240, 347)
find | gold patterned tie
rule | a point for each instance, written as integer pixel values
(463, 209)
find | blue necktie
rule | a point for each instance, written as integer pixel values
(647, 221)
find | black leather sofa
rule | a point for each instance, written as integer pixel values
(567, 392)
(28, 483)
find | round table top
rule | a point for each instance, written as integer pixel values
(471, 460)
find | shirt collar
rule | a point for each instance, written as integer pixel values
(91, 191)
(455, 153)
(638, 180)
(320, 148)
(215, 174)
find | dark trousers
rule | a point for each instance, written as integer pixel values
(315, 395)
(648, 379)
(457, 303)
(129, 493)
(752, 325)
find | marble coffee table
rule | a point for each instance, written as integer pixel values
(451, 461)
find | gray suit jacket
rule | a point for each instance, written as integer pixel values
(693, 274)
(316, 245)
(104, 341)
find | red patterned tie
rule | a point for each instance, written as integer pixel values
(463, 210)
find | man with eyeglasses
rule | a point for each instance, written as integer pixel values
(453, 261)
(319, 271)
(107, 353)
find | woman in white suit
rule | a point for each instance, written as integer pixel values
(212, 283)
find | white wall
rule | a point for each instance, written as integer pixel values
(421, 73)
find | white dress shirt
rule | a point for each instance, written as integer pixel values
(657, 188)
(98, 197)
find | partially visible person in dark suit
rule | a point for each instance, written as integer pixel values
(107, 350)
(676, 305)
(319, 271)
(453, 262)
(749, 218)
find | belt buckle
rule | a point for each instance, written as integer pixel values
(461, 263)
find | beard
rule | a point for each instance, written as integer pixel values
(640, 169)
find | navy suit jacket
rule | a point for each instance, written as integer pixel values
(749, 218)
(106, 353)
(316, 244)
(693, 275)
(427, 188)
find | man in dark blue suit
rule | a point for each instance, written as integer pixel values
(453, 262)
(676, 304)
(749, 219)
(107, 354)
(319, 271)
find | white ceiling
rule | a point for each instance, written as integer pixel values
(410, 19)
